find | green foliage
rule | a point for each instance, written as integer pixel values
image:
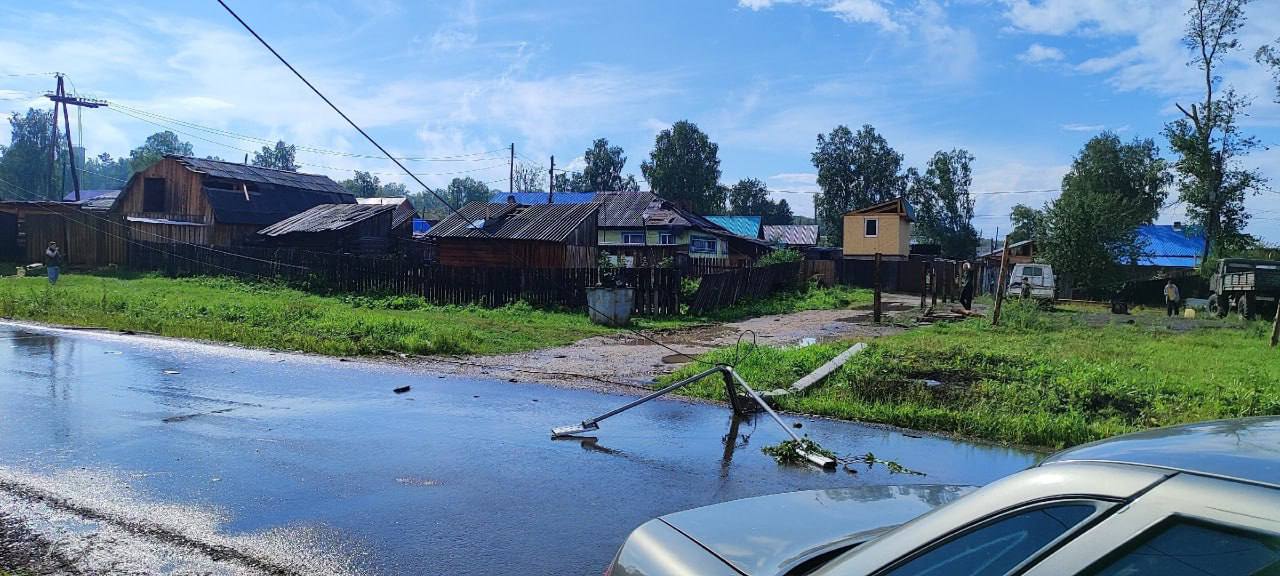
(462, 191)
(944, 207)
(253, 314)
(156, 147)
(750, 197)
(571, 182)
(1028, 223)
(854, 171)
(603, 170)
(24, 162)
(789, 451)
(684, 167)
(1090, 230)
(689, 288)
(809, 297)
(279, 157)
(779, 256)
(1050, 379)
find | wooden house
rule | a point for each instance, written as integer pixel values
(216, 203)
(91, 232)
(641, 225)
(883, 228)
(403, 216)
(517, 235)
(367, 229)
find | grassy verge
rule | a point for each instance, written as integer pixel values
(275, 317)
(809, 297)
(1047, 379)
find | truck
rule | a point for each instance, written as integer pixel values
(1040, 281)
(1245, 284)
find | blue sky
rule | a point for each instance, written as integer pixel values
(1019, 83)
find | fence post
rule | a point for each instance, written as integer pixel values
(1275, 327)
(933, 282)
(1004, 258)
(924, 282)
(876, 279)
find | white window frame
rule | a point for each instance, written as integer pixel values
(666, 238)
(867, 221)
(639, 235)
(695, 241)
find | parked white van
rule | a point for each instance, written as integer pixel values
(1039, 277)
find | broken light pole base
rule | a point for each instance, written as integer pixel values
(731, 377)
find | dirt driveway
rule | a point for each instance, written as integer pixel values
(628, 361)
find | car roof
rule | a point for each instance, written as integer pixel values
(1246, 449)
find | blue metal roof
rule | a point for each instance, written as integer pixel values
(1170, 248)
(531, 198)
(748, 226)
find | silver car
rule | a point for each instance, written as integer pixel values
(1194, 500)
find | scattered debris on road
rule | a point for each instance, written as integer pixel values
(401, 390)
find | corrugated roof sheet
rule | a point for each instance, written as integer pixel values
(792, 234)
(546, 222)
(327, 218)
(531, 198)
(748, 226)
(248, 173)
(1169, 247)
(268, 206)
(404, 208)
(101, 202)
(624, 209)
(87, 194)
(902, 207)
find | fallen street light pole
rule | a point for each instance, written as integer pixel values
(591, 424)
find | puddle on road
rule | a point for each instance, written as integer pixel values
(677, 359)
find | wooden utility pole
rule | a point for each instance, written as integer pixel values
(511, 169)
(1000, 281)
(59, 96)
(876, 303)
(1275, 327)
(551, 180)
(924, 282)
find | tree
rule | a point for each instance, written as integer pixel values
(465, 190)
(103, 171)
(572, 182)
(1207, 139)
(684, 167)
(944, 214)
(1028, 223)
(750, 197)
(24, 165)
(1090, 230)
(529, 178)
(362, 185)
(279, 157)
(156, 147)
(603, 172)
(854, 171)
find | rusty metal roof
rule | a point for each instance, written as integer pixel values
(245, 172)
(545, 222)
(327, 218)
(792, 234)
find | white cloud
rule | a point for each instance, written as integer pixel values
(1084, 127)
(853, 11)
(1038, 53)
(755, 4)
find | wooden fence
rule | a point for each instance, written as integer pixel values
(657, 289)
(728, 288)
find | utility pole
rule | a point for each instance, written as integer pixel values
(511, 178)
(1000, 283)
(551, 180)
(59, 96)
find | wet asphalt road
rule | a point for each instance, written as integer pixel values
(458, 476)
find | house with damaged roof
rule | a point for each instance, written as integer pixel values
(510, 234)
(217, 203)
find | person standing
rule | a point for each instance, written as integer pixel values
(53, 261)
(1172, 297)
(966, 286)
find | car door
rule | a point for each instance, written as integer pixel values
(1187, 525)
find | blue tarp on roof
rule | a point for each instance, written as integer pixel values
(531, 198)
(1170, 248)
(748, 226)
(421, 226)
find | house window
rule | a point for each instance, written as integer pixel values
(153, 194)
(872, 228)
(666, 238)
(633, 238)
(702, 245)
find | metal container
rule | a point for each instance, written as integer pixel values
(611, 306)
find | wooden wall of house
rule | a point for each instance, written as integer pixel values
(87, 239)
(162, 233)
(501, 253)
(234, 234)
(183, 198)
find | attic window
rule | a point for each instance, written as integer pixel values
(153, 193)
(872, 228)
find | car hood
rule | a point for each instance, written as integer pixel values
(773, 534)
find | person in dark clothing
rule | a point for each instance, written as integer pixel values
(966, 286)
(53, 261)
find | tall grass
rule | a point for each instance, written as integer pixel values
(1047, 379)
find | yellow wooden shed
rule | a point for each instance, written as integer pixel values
(883, 228)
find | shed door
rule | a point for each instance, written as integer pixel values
(8, 237)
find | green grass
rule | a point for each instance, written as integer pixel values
(1045, 379)
(808, 297)
(281, 318)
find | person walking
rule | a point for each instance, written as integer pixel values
(53, 261)
(966, 286)
(1172, 298)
